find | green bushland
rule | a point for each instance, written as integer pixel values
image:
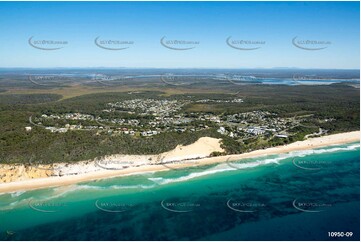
(337, 102)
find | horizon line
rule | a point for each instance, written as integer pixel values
(200, 68)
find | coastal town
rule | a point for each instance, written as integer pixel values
(149, 117)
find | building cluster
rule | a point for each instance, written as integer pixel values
(235, 100)
(256, 123)
(152, 117)
(154, 107)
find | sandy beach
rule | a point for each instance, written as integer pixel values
(196, 154)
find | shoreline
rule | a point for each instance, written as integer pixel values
(55, 181)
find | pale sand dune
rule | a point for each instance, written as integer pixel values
(199, 149)
(196, 152)
(11, 173)
(202, 148)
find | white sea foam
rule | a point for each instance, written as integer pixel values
(18, 203)
(213, 170)
(131, 187)
(61, 191)
(16, 194)
(253, 163)
(291, 155)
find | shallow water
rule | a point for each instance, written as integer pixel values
(296, 196)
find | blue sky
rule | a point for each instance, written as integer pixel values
(209, 23)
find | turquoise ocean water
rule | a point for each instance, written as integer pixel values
(301, 195)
